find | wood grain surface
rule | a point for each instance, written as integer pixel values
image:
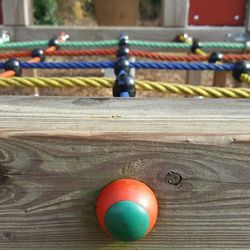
(17, 12)
(57, 153)
(174, 13)
(220, 78)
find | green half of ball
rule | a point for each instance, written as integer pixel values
(127, 221)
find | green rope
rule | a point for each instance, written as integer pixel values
(165, 45)
(107, 43)
(222, 45)
(19, 45)
(135, 43)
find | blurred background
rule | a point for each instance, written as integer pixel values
(97, 12)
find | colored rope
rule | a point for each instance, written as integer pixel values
(162, 45)
(101, 52)
(94, 52)
(15, 55)
(66, 65)
(223, 45)
(182, 66)
(176, 58)
(141, 85)
(56, 82)
(136, 65)
(135, 43)
(236, 57)
(19, 45)
(137, 53)
(245, 78)
(86, 44)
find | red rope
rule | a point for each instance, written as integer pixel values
(138, 53)
(236, 57)
(15, 54)
(96, 52)
(187, 58)
(166, 57)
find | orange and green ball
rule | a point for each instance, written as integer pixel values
(127, 209)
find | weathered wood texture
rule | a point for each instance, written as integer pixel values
(32, 33)
(57, 153)
(174, 13)
(247, 19)
(220, 78)
(17, 12)
(194, 77)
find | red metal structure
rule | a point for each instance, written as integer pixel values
(217, 12)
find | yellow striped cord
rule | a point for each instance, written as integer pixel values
(96, 82)
(245, 78)
(200, 52)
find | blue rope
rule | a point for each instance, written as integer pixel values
(136, 65)
(182, 66)
(68, 65)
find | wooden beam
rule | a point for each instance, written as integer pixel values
(175, 13)
(237, 84)
(247, 18)
(56, 153)
(17, 12)
(142, 33)
(193, 77)
(220, 78)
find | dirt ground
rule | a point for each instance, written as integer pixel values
(153, 75)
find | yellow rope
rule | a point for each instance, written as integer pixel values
(200, 52)
(96, 82)
(245, 78)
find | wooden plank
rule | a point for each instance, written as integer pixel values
(194, 77)
(141, 33)
(247, 18)
(57, 153)
(174, 13)
(17, 12)
(220, 79)
(1, 13)
(73, 115)
(116, 12)
(237, 84)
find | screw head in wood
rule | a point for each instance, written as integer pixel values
(127, 209)
(173, 178)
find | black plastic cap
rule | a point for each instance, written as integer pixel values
(124, 83)
(123, 51)
(54, 42)
(215, 57)
(14, 65)
(195, 45)
(38, 53)
(122, 64)
(241, 68)
(123, 40)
